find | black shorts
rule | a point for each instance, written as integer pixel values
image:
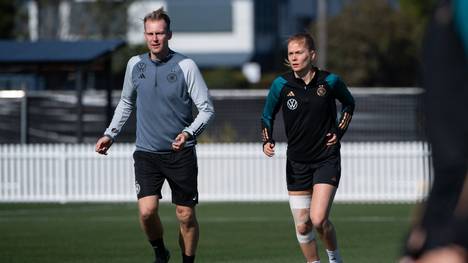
(303, 176)
(178, 168)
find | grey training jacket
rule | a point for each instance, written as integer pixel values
(163, 93)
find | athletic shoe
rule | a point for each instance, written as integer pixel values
(164, 258)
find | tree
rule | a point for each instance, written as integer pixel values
(374, 44)
(418, 13)
(7, 19)
(109, 17)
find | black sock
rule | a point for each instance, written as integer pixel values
(188, 259)
(158, 246)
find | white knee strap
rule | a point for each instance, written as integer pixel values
(298, 203)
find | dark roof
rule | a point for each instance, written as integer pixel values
(15, 52)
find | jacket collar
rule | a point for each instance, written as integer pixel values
(162, 61)
(292, 81)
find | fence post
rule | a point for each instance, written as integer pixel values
(62, 173)
(24, 114)
(79, 104)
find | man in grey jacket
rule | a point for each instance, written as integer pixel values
(163, 85)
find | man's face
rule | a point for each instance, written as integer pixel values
(299, 57)
(157, 38)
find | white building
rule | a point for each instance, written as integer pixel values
(212, 32)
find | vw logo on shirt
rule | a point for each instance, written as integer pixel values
(292, 104)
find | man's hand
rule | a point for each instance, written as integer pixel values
(103, 144)
(269, 149)
(179, 141)
(331, 139)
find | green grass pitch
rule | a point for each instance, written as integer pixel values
(230, 233)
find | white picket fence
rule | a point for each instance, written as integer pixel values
(371, 172)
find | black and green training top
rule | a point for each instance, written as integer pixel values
(309, 113)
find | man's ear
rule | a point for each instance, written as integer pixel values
(169, 35)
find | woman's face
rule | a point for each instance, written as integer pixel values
(299, 56)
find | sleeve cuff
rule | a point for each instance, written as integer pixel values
(109, 136)
(269, 141)
(190, 134)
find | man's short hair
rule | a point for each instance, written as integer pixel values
(159, 14)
